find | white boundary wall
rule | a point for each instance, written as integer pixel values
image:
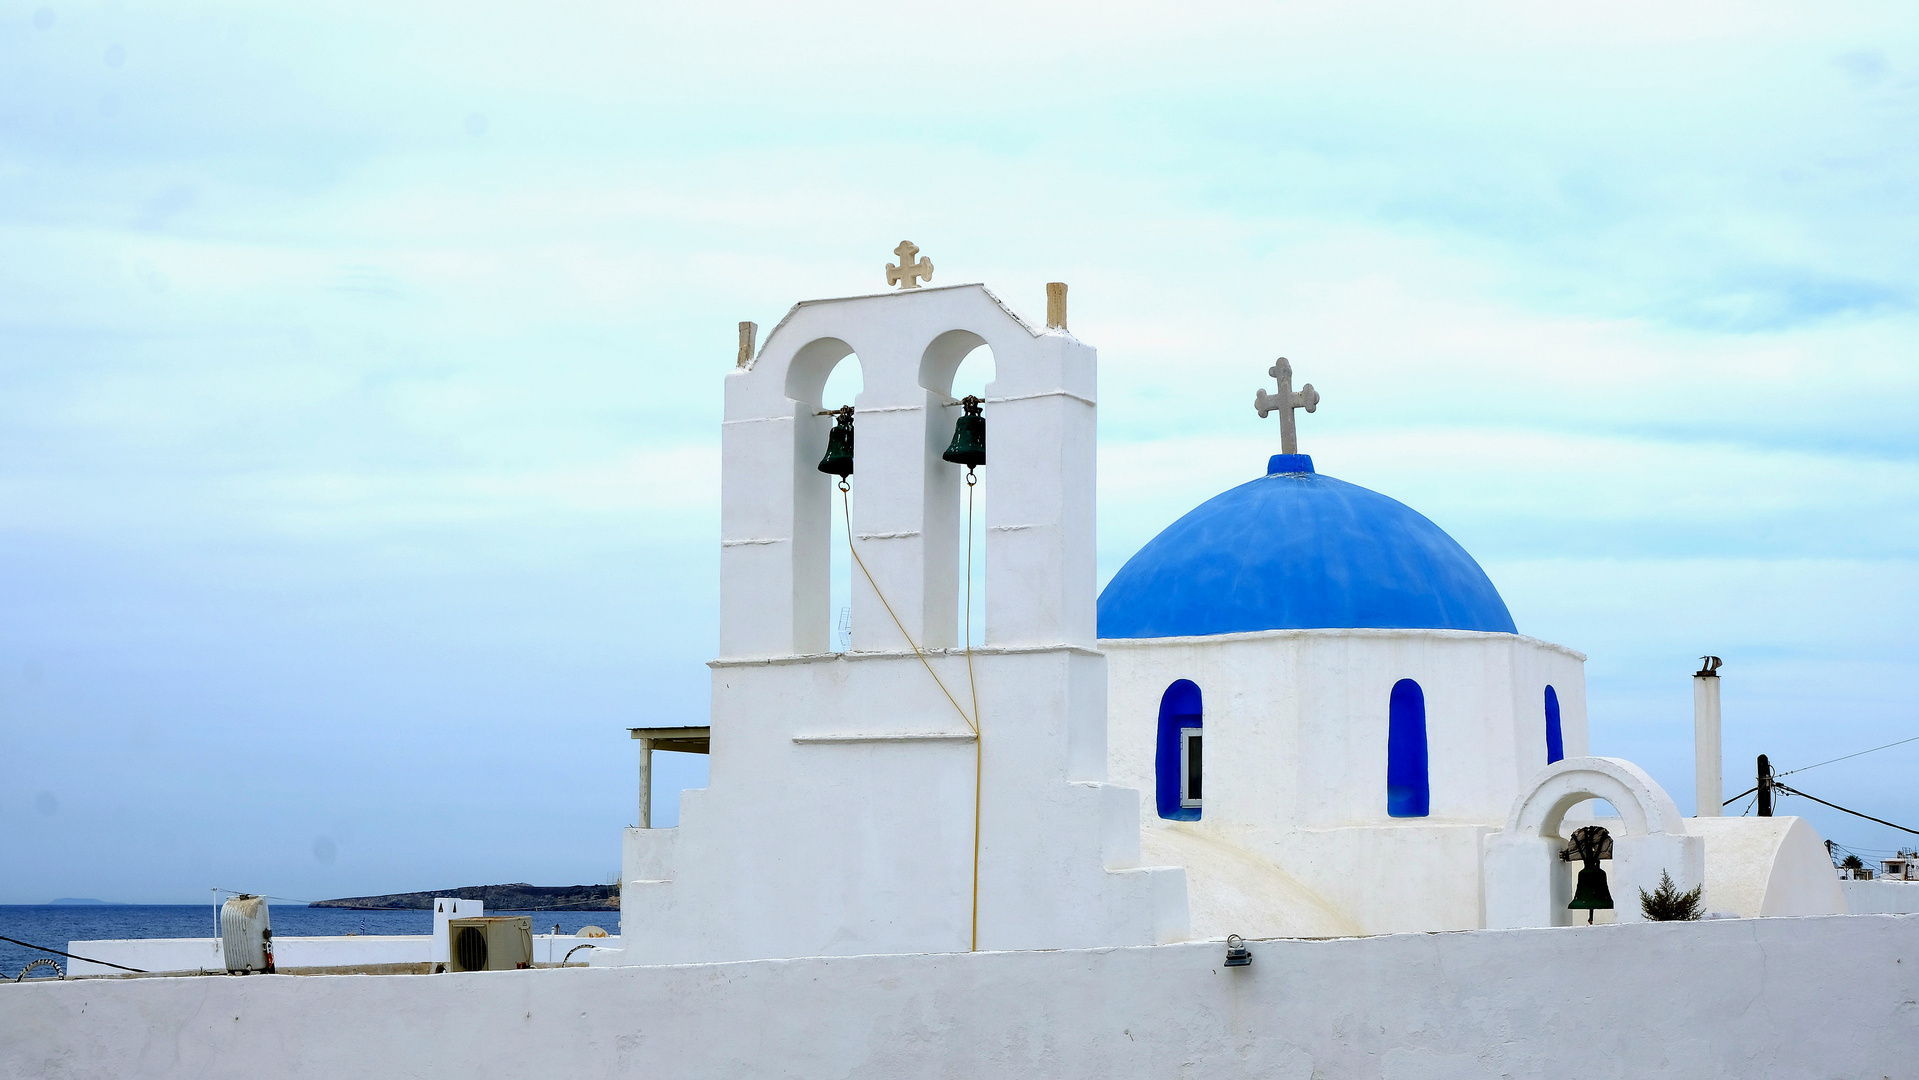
(1881, 897)
(1821, 996)
(203, 954)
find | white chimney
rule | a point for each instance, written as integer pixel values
(1705, 737)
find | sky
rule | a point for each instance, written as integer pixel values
(360, 369)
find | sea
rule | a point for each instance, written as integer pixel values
(55, 925)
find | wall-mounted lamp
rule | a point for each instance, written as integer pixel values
(1237, 954)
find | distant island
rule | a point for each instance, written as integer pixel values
(81, 900)
(516, 897)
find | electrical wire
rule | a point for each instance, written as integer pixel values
(1875, 850)
(1857, 853)
(218, 889)
(1794, 791)
(243, 892)
(70, 956)
(1848, 757)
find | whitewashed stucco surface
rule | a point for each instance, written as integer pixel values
(197, 954)
(1881, 897)
(904, 796)
(1787, 998)
(1296, 730)
(1767, 866)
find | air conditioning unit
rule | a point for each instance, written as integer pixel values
(494, 943)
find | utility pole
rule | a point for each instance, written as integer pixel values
(1765, 787)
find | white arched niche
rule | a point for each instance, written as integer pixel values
(956, 364)
(823, 374)
(1524, 884)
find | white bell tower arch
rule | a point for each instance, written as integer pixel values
(854, 806)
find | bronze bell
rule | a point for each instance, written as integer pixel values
(1592, 893)
(1590, 845)
(839, 445)
(969, 436)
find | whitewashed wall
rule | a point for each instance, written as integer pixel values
(1810, 997)
(840, 819)
(1881, 897)
(1527, 883)
(1296, 733)
(357, 950)
(1768, 866)
(840, 815)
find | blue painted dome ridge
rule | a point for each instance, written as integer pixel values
(1297, 550)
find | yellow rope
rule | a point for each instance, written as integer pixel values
(979, 744)
(896, 619)
(972, 722)
(970, 681)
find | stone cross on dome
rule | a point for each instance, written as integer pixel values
(907, 271)
(1285, 402)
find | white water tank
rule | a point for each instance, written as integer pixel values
(246, 934)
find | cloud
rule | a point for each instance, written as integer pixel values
(360, 370)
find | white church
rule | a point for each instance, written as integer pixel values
(1292, 798)
(1302, 710)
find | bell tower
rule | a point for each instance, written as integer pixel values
(904, 499)
(909, 794)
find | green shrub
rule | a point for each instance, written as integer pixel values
(1668, 904)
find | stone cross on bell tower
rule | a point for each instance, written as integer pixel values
(906, 273)
(1285, 402)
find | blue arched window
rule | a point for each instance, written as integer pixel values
(1408, 792)
(1555, 742)
(1176, 755)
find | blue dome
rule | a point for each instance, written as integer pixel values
(1295, 550)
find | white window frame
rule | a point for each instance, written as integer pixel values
(1186, 735)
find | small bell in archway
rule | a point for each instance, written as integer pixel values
(969, 436)
(1591, 844)
(1592, 893)
(839, 445)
